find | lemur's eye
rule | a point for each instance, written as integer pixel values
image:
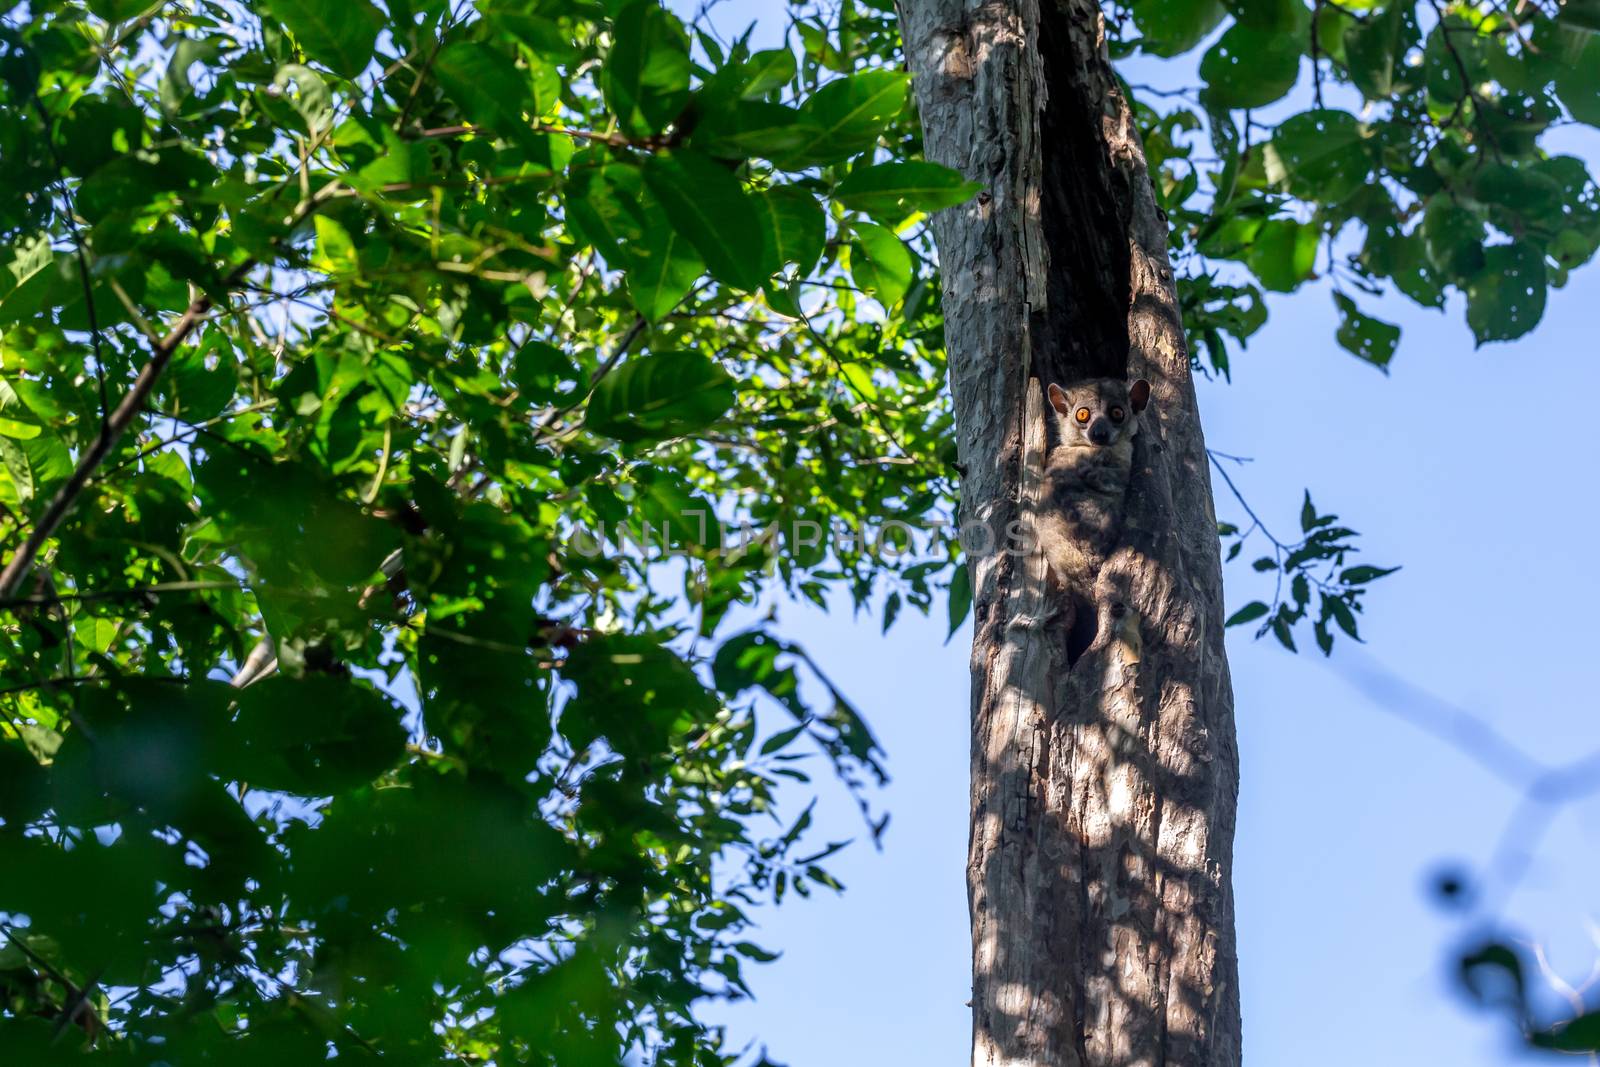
(1116, 414)
(1083, 415)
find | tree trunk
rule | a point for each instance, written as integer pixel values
(1103, 794)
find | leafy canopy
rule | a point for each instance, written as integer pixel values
(332, 335)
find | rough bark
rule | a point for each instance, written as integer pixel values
(1103, 795)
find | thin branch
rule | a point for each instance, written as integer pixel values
(1243, 503)
(1316, 54)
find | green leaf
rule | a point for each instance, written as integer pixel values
(1506, 299)
(646, 74)
(633, 692)
(1324, 637)
(1249, 613)
(16, 421)
(1340, 610)
(960, 597)
(1363, 574)
(1280, 630)
(766, 71)
(665, 267)
(848, 115)
(336, 252)
(1453, 59)
(782, 739)
(1171, 27)
(1578, 84)
(880, 263)
(661, 395)
(490, 89)
(539, 371)
(1283, 253)
(1319, 155)
(891, 611)
(1454, 237)
(175, 89)
(201, 379)
(1249, 68)
(341, 36)
(747, 128)
(707, 205)
(795, 226)
(15, 461)
(312, 98)
(1373, 48)
(117, 10)
(1370, 339)
(890, 192)
(29, 256)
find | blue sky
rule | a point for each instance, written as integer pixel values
(1472, 469)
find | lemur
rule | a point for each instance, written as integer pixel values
(1086, 484)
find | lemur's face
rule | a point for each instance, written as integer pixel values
(1099, 412)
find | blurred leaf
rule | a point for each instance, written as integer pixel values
(1250, 67)
(1367, 338)
(1506, 299)
(1283, 254)
(1249, 613)
(1319, 155)
(1171, 27)
(1374, 47)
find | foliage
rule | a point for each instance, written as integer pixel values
(1420, 167)
(333, 335)
(424, 300)
(1318, 563)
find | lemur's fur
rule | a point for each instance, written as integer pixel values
(1086, 485)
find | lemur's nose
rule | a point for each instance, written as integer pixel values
(1100, 432)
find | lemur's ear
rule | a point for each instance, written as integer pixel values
(1058, 397)
(1139, 394)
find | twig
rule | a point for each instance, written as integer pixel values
(1316, 54)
